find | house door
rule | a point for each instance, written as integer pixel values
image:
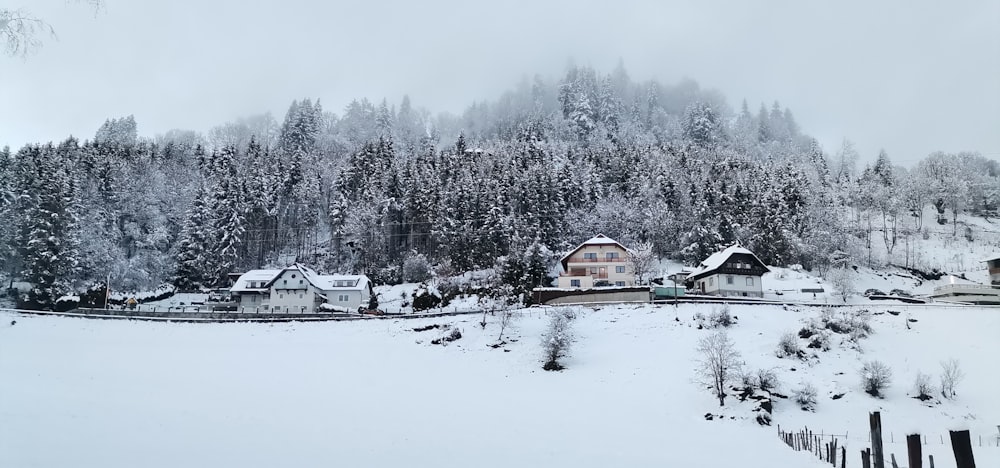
(702, 284)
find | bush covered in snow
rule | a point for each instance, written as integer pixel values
(805, 396)
(922, 386)
(875, 378)
(416, 268)
(788, 345)
(557, 339)
(722, 318)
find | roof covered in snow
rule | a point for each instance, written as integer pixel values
(599, 239)
(263, 279)
(718, 259)
(257, 276)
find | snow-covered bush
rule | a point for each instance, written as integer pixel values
(922, 386)
(855, 323)
(557, 339)
(951, 375)
(820, 340)
(416, 268)
(805, 396)
(722, 318)
(875, 378)
(767, 380)
(788, 345)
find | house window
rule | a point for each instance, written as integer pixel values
(253, 298)
(342, 298)
(301, 296)
(710, 281)
(729, 279)
(593, 270)
(284, 281)
(300, 281)
(276, 308)
(750, 281)
(619, 269)
(619, 283)
(281, 296)
(590, 256)
(574, 283)
(611, 255)
(293, 276)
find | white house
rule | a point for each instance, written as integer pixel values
(298, 289)
(734, 271)
(600, 261)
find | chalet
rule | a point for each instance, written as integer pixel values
(298, 289)
(600, 261)
(734, 271)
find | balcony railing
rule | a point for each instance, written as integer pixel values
(596, 260)
(967, 288)
(592, 275)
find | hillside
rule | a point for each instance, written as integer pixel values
(376, 393)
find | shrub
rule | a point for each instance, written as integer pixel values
(788, 345)
(424, 300)
(722, 318)
(416, 268)
(951, 375)
(922, 386)
(556, 341)
(821, 341)
(875, 378)
(805, 396)
(767, 380)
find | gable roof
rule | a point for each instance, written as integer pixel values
(264, 276)
(321, 282)
(599, 239)
(718, 259)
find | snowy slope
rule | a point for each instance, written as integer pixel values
(82, 392)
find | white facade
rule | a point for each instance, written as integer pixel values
(730, 285)
(298, 290)
(600, 261)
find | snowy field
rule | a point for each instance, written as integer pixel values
(94, 393)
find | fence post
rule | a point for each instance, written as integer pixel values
(961, 444)
(843, 457)
(875, 421)
(866, 461)
(913, 451)
(931, 457)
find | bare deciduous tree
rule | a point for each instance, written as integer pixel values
(21, 32)
(951, 375)
(842, 280)
(642, 258)
(719, 364)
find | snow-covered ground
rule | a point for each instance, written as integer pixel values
(78, 392)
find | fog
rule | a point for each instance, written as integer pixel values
(910, 77)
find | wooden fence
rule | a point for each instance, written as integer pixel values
(830, 451)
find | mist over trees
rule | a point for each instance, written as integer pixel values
(506, 185)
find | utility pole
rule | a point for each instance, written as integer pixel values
(107, 291)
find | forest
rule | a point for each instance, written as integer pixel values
(508, 185)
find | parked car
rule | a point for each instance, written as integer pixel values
(873, 292)
(900, 293)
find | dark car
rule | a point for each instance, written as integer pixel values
(873, 292)
(900, 293)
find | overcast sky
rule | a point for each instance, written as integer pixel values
(909, 76)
